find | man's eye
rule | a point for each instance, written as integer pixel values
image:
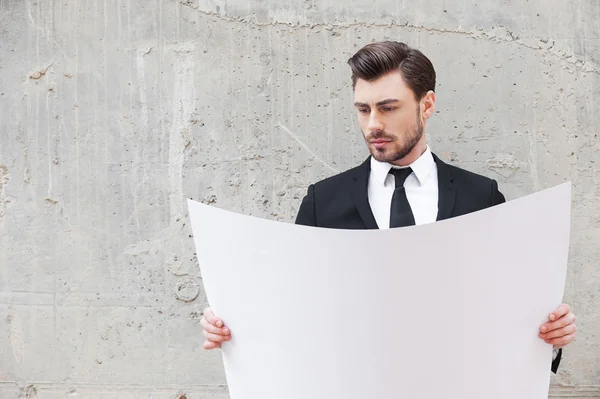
(363, 110)
(389, 109)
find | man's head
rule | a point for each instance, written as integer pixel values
(394, 96)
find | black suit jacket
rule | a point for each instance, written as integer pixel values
(341, 201)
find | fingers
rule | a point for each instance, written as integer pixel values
(560, 323)
(559, 312)
(558, 333)
(214, 330)
(216, 338)
(561, 342)
(211, 345)
(212, 319)
(561, 329)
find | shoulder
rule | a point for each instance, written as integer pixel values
(460, 175)
(465, 176)
(329, 203)
(472, 187)
(342, 178)
(338, 189)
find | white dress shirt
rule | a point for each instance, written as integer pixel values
(421, 190)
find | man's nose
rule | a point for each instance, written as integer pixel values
(375, 123)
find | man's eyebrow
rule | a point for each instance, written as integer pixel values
(379, 104)
(387, 101)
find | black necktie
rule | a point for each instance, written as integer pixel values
(400, 213)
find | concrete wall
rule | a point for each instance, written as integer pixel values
(113, 112)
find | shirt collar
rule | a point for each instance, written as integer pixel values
(420, 167)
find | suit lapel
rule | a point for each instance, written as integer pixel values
(360, 194)
(446, 190)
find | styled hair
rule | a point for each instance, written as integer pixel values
(377, 59)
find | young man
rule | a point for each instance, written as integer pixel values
(402, 183)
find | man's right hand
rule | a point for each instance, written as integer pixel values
(214, 330)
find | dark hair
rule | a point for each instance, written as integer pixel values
(376, 59)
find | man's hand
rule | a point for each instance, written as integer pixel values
(561, 328)
(214, 330)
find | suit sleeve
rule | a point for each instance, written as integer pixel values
(306, 214)
(496, 195)
(556, 361)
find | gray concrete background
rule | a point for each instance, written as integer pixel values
(113, 112)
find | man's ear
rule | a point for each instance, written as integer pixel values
(428, 105)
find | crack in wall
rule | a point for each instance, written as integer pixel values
(497, 34)
(311, 152)
(4, 199)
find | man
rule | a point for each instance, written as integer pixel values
(402, 183)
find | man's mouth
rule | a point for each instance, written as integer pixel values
(380, 143)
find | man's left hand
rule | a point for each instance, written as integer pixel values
(561, 328)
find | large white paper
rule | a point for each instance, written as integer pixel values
(446, 310)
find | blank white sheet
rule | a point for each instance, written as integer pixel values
(446, 310)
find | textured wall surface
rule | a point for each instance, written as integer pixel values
(113, 112)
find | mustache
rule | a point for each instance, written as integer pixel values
(381, 135)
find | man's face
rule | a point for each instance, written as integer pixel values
(389, 116)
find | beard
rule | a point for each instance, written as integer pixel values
(398, 147)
